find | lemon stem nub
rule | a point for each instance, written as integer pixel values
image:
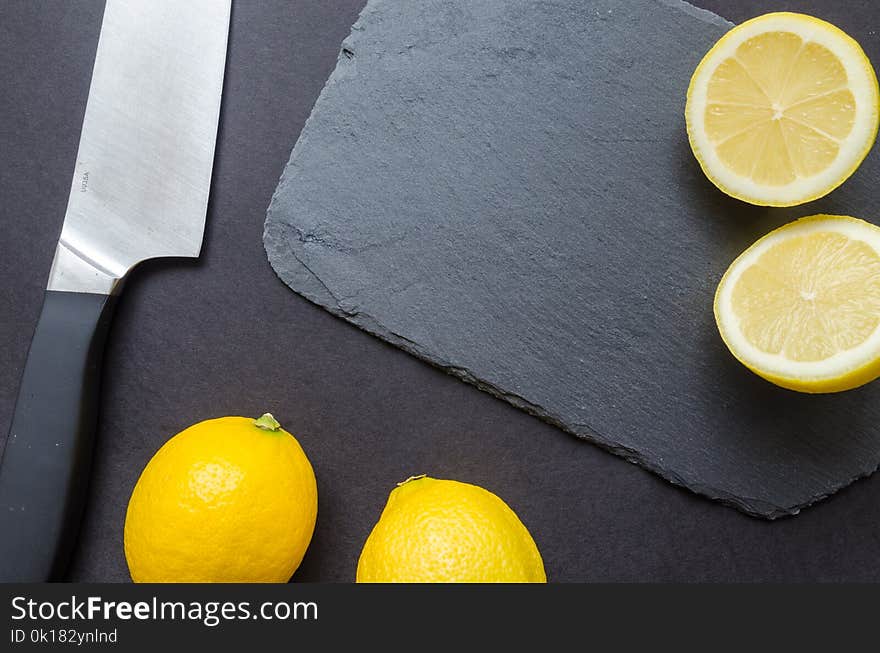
(267, 422)
(411, 478)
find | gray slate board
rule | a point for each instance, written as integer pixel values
(504, 188)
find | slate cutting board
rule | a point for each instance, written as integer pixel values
(505, 190)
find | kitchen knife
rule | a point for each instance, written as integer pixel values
(140, 191)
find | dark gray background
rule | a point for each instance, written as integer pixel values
(222, 335)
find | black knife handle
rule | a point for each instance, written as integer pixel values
(45, 466)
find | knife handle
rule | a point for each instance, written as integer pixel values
(44, 469)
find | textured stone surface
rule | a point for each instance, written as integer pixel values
(505, 189)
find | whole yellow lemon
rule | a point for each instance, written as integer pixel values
(227, 500)
(440, 531)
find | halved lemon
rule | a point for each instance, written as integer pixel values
(801, 307)
(782, 110)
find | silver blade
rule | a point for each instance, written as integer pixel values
(143, 170)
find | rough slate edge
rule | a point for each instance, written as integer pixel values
(310, 286)
(697, 12)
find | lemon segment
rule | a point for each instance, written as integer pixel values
(801, 307)
(782, 109)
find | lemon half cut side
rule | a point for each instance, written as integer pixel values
(801, 306)
(782, 109)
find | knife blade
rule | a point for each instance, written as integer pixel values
(139, 191)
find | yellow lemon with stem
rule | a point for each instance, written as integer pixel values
(227, 500)
(442, 531)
